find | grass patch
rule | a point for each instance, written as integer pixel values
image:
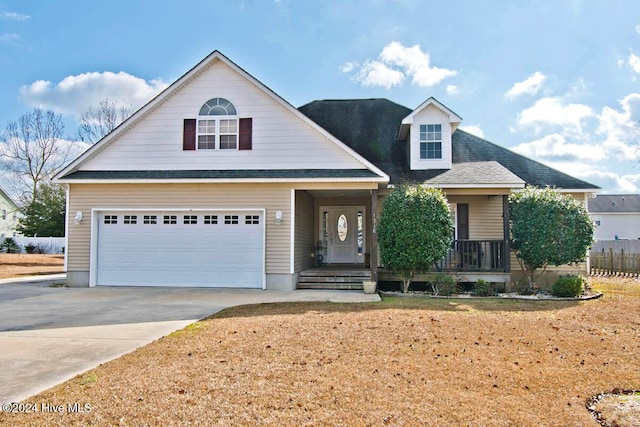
(58, 285)
(191, 329)
(88, 379)
(403, 361)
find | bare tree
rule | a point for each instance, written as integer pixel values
(97, 122)
(32, 151)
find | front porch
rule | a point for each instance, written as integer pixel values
(468, 260)
(336, 242)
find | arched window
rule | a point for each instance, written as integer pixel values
(217, 125)
(218, 107)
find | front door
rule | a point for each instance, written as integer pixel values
(344, 234)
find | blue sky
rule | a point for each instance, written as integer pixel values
(558, 81)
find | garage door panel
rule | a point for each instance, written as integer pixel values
(196, 254)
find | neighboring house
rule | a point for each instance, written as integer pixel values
(617, 216)
(8, 215)
(218, 181)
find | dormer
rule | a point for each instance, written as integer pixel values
(427, 131)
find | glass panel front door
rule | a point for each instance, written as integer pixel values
(345, 237)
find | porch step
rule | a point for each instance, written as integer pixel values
(326, 278)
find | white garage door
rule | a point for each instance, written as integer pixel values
(185, 248)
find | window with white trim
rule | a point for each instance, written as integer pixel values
(210, 219)
(111, 219)
(190, 219)
(150, 219)
(231, 219)
(217, 125)
(130, 219)
(252, 219)
(170, 219)
(431, 141)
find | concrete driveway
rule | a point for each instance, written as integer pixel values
(50, 334)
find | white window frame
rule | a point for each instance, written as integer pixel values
(428, 141)
(217, 126)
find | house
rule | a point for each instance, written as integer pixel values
(8, 215)
(218, 181)
(617, 216)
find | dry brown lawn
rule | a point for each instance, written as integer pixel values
(404, 361)
(17, 265)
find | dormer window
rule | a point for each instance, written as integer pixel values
(431, 141)
(217, 125)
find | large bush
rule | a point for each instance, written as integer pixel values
(548, 228)
(414, 231)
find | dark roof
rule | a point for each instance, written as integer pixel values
(615, 203)
(222, 174)
(370, 127)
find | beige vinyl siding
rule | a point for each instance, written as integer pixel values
(485, 216)
(272, 197)
(281, 139)
(304, 232)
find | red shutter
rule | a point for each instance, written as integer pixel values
(189, 134)
(246, 126)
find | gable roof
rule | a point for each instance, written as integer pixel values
(454, 119)
(215, 56)
(615, 203)
(370, 127)
(8, 198)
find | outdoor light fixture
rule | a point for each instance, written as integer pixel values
(78, 218)
(278, 217)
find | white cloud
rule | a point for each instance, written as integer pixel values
(76, 93)
(638, 28)
(473, 129)
(376, 73)
(619, 128)
(634, 62)
(9, 38)
(610, 182)
(530, 86)
(16, 16)
(396, 62)
(348, 67)
(415, 63)
(556, 147)
(554, 111)
(452, 89)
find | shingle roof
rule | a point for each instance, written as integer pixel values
(477, 173)
(222, 174)
(615, 203)
(370, 127)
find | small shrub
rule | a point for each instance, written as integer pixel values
(482, 288)
(35, 249)
(10, 246)
(568, 286)
(443, 285)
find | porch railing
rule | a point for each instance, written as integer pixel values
(476, 255)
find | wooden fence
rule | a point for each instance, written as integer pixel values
(614, 263)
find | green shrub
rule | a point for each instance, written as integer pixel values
(35, 249)
(10, 246)
(482, 288)
(568, 286)
(443, 285)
